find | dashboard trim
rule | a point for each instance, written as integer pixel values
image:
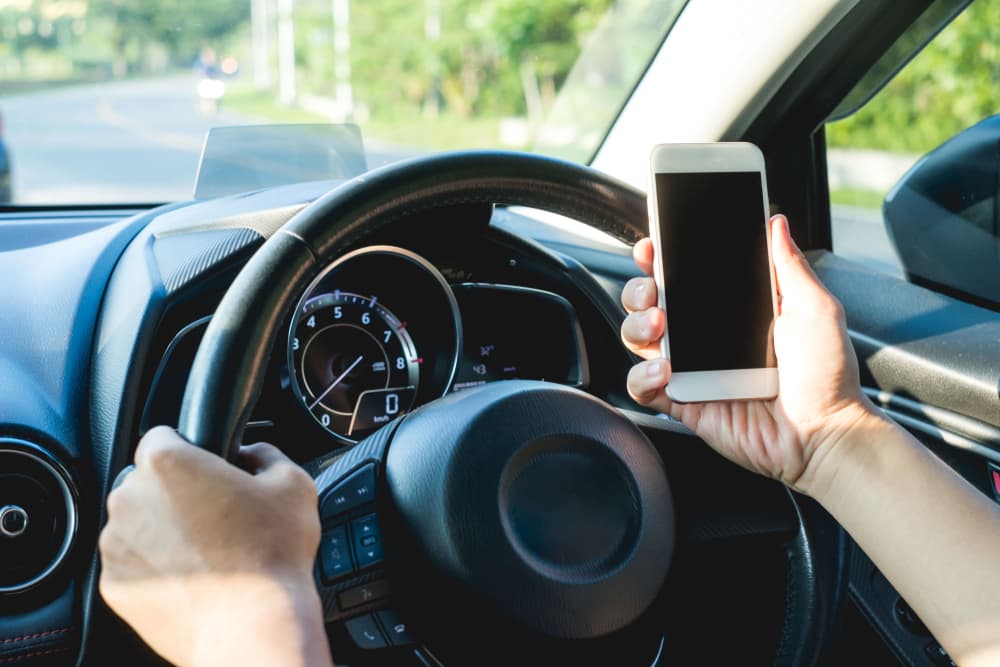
(573, 320)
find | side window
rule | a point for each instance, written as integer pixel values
(913, 174)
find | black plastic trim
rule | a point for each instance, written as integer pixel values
(917, 344)
(948, 427)
(71, 501)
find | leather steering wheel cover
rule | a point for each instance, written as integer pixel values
(229, 367)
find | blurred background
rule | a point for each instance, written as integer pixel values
(109, 100)
(88, 83)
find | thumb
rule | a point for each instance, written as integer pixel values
(261, 457)
(794, 276)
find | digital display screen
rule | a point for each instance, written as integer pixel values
(716, 275)
(541, 343)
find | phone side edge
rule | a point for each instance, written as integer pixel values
(654, 235)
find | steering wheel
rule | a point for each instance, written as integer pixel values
(526, 517)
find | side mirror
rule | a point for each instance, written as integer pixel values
(943, 218)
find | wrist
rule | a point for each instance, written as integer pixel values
(263, 620)
(845, 439)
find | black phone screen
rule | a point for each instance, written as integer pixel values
(717, 281)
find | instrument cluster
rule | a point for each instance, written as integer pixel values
(380, 332)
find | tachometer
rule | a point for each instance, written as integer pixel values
(354, 366)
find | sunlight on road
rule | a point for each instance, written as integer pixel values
(126, 142)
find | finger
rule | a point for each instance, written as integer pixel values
(270, 465)
(639, 294)
(644, 329)
(161, 445)
(795, 278)
(643, 254)
(261, 457)
(646, 382)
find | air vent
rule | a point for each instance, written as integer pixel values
(38, 515)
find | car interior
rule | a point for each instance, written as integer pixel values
(471, 298)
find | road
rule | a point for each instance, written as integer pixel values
(134, 141)
(860, 236)
(122, 142)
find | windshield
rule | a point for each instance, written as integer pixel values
(109, 101)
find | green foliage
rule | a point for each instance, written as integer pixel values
(858, 197)
(401, 65)
(448, 72)
(948, 87)
(115, 35)
(182, 27)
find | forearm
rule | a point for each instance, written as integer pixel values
(932, 534)
(270, 625)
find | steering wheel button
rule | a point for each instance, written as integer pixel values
(365, 632)
(355, 490)
(364, 594)
(367, 540)
(395, 629)
(335, 553)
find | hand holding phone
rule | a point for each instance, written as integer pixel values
(708, 221)
(819, 391)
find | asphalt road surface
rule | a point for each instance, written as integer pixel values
(125, 142)
(135, 141)
(859, 235)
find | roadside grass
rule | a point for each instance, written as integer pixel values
(263, 105)
(858, 197)
(444, 132)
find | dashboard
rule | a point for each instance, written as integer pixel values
(380, 332)
(103, 313)
(455, 298)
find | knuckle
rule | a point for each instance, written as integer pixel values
(107, 543)
(626, 332)
(632, 328)
(105, 587)
(162, 450)
(638, 293)
(642, 398)
(636, 387)
(161, 458)
(629, 291)
(109, 590)
(838, 310)
(294, 480)
(831, 307)
(115, 503)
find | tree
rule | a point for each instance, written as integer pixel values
(182, 27)
(945, 89)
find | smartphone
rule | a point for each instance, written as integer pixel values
(709, 224)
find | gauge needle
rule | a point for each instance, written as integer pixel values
(336, 382)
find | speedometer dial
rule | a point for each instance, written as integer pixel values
(374, 335)
(355, 367)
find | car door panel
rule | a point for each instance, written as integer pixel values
(933, 364)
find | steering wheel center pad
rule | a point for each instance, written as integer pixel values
(539, 497)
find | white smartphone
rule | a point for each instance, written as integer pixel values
(709, 224)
